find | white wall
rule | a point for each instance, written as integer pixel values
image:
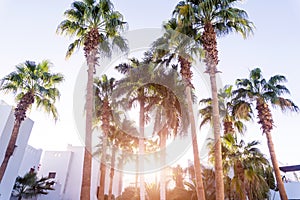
(52, 195)
(68, 167)
(74, 177)
(6, 126)
(292, 191)
(58, 162)
(31, 159)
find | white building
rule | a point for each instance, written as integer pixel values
(6, 126)
(31, 159)
(292, 190)
(290, 177)
(66, 169)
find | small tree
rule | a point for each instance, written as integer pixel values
(30, 186)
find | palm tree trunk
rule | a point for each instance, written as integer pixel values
(280, 185)
(198, 170)
(120, 184)
(105, 118)
(217, 139)
(241, 177)
(141, 145)
(101, 190)
(137, 166)
(10, 148)
(209, 39)
(186, 73)
(87, 161)
(20, 115)
(266, 121)
(163, 143)
(112, 173)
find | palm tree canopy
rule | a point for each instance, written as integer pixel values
(272, 90)
(177, 41)
(221, 14)
(36, 79)
(231, 109)
(87, 16)
(104, 86)
(30, 185)
(256, 169)
(163, 90)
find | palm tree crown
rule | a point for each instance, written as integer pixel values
(221, 14)
(33, 82)
(232, 111)
(93, 23)
(258, 89)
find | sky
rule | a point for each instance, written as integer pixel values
(29, 33)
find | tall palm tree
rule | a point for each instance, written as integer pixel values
(232, 112)
(30, 83)
(113, 142)
(177, 43)
(103, 91)
(212, 18)
(264, 93)
(121, 141)
(169, 120)
(134, 73)
(119, 145)
(157, 92)
(127, 148)
(97, 28)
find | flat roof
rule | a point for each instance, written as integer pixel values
(290, 168)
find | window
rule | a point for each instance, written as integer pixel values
(52, 175)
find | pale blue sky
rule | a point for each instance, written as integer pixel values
(28, 33)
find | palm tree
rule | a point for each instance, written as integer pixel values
(169, 119)
(174, 44)
(178, 176)
(232, 111)
(262, 92)
(30, 83)
(212, 18)
(120, 139)
(161, 93)
(135, 93)
(112, 166)
(96, 27)
(103, 92)
(30, 186)
(127, 147)
(116, 134)
(153, 191)
(249, 166)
